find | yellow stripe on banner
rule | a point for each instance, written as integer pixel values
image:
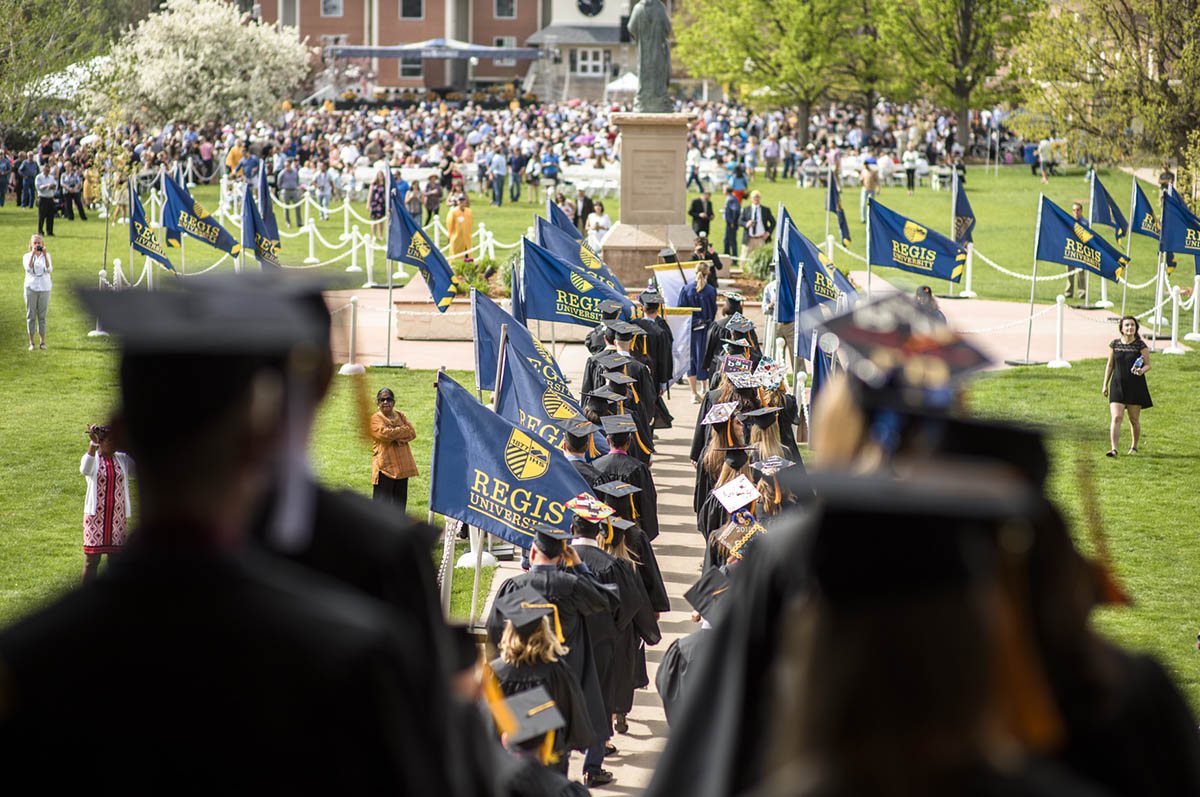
(677, 310)
(1117, 274)
(674, 266)
(445, 302)
(958, 270)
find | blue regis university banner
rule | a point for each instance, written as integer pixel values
(554, 290)
(833, 204)
(142, 237)
(899, 242)
(492, 474)
(487, 316)
(1062, 239)
(573, 249)
(410, 244)
(255, 235)
(181, 213)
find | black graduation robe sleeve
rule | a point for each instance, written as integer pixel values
(671, 677)
(700, 431)
(648, 570)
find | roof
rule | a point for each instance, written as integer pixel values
(577, 34)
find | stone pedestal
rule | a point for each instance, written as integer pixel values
(653, 196)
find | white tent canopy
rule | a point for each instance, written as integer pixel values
(627, 82)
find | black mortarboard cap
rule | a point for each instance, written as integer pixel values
(524, 607)
(623, 329)
(578, 426)
(705, 593)
(763, 417)
(617, 488)
(619, 378)
(733, 296)
(744, 381)
(668, 255)
(771, 465)
(736, 456)
(610, 308)
(604, 393)
(536, 714)
(611, 360)
(739, 324)
(618, 424)
(549, 540)
(465, 649)
(650, 296)
(739, 342)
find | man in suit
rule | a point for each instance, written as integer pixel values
(701, 211)
(733, 213)
(583, 208)
(758, 223)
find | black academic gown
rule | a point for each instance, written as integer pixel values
(530, 779)
(606, 628)
(587, 471)
(568, 696)
(578, 595)
(648, 570)
(659, 343)
(712, 343)
(647, 390)
(275, 680)
(626, 468)
(711, 518)
(671, 679)
(594, 340)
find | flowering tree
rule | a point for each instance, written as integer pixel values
(200, 60)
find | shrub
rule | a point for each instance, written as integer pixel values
(758, 266)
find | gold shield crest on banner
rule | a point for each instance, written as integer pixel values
(525, 457)
(914, 232)
(555, 406)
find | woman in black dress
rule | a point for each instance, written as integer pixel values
(1125, 382)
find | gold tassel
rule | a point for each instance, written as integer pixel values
(557, 625)
(610, 531)
(546, 753)
(592, 446)
(642, 445)
(633, 390)
(633, 508)
(1111, 592)
(501, 715)
(778, 497)
(729, 433)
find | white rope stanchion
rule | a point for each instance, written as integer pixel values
(1058, 361)
(1008, 324)
(346, 219)
(356, 242)
(352, 367)
(829, 246)
(1104, 302)
(1194, 335)
(1174, 348)
(967, 293)
(1026, 277)
(312, 233)
(99, 332)
(372, 245)
(856, 255)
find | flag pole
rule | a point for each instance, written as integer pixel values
(1032, 287)
(953, 214)
(1158, 290)
(828, 192)
(1129, 239)
(870, 204)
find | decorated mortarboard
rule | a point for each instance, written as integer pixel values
(892, 341)
(624, 329)
(609, 307)
(771, 465)
(737, 493)
(733, 295)
(604, 393)
(619, 378)
(770, 374)
(617, 488)
(650, 296)
(744, 381)
(589, 508)
(719, 413)
(524, 608)
(706, 592)
(549, 539)
(611, 360)
(736, 365)
(739, 324)
(763, 417)
(618, 424)
(738, 536)
(578, 426)
(743, 343)
(536, 715)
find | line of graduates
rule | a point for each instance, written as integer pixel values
(919, 622)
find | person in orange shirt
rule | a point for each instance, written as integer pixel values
(392, 463)
(459, 224)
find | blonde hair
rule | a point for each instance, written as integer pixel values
(541, 646)
(714, 458)
(728, 474)
(621, 551)
(701, 276)
(843, 441)
(767, 441)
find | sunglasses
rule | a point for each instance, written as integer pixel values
(387, 398)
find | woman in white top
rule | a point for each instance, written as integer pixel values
(38, 266)
(107, 508)
(597, 225)
(909, 161)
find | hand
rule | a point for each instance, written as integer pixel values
(572, 556)
(1104, 391)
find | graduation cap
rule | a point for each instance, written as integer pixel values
(668, 255)
(589, 508)
(611, 360)
(578, 426)
(771, 465)
(650, 296)
(536, 714)
(619, 378)
(763, 417)
(737, 493)
(623, 329)
(604, 393)
(719, 413)
(524, 608)
(744, 381)
(737, 536)
(618, 424)
(736, 365)
(619, 489)
(618, 526)
(739, 324)
(770, 374)
(704, 594)
(733, 296)
(739, 342)
(549, 540)
(610, 308)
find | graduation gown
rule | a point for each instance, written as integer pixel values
(586, 470)
(712, 343)
(594, 340)
(671, 678)
(280, 680)
(647, 570)
(711, 518)
(631, 470)
(647, 390)
(530, 779)
(660, 342)
(568, 696)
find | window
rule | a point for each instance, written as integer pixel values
(505, 9)
(412, 9)
(587, 62)
(289, 13)
(331, 8)
(412, 66)
(505, 41)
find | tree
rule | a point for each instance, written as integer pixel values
(953, 46)
(1117, 77)
(867, 69)
(43, 37)
(788, 47)
(201, 60)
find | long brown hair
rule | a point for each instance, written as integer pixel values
(714, 458)
(767, 441)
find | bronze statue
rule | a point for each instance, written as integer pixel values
(650, 27)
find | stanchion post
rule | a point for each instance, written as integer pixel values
(1104, 302)
(1174, 348)
(345, 217)
(369, 242)
(352, 366)
(1194, 335)
(312, 242)
(828, 243)
(967, 293)
(1058, 361)
(99, 332)
(355, 242)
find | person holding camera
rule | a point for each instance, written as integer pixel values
(107, 508)
(37, 266)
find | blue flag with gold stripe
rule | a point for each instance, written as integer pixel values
(491, 473)
(573, 249)
(1102, 209)
(964, 217)
(787, 271)
(1145, 221)
(142, 237)
(1180, 227)
(255, 236)
(554, 290)
(833, 204)
(531, 401)
(173, 237)
(181, 213)
(410, 244)
(1062, 239)
(899, 242)
(487, 318)
(266, 210)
